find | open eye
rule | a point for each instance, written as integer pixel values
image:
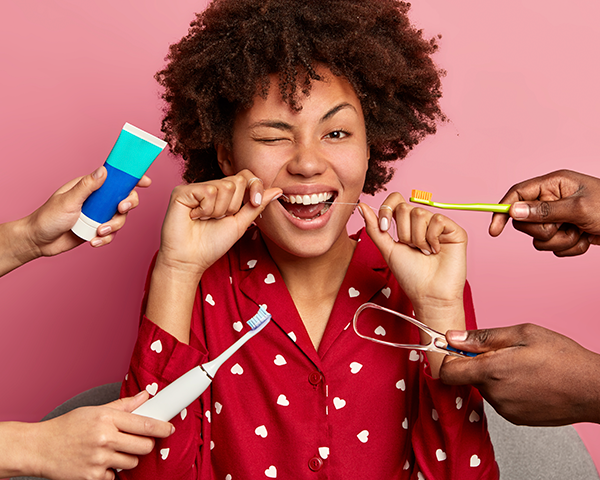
(337, 134)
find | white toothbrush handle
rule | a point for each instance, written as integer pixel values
(176, 396)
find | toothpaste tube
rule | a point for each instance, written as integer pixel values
(133, 153)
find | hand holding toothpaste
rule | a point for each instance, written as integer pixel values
(46, 232)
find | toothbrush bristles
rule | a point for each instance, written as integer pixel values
(421, 195)
(261, 317)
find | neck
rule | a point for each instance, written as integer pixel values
(314, 275)
(314, 282)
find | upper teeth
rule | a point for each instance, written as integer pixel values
(313, 199)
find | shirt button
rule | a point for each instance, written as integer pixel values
(315, 463)
(315, 378)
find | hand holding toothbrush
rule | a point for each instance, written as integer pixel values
(428, 260)
(560, 210)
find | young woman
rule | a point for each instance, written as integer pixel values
(284, 113)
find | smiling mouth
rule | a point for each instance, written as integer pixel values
(307, 207)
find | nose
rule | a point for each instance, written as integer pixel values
(308, 161)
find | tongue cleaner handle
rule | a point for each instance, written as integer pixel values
(179, 394)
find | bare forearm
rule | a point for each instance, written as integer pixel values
(17, 444)
(16, 247)
(171, 299)
(441, 318)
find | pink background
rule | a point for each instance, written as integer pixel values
(521, 92)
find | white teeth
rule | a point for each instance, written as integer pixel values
(313, 199)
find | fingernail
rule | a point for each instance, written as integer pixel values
(360, 211)
(96, 242)
(141, 392)
(520, 211)
(104, 230)
(172, 429)
(258, 199)
(384, 224)
(97, 173)
(125, 206)
(426, 252)
(457, 335)
(279, 195)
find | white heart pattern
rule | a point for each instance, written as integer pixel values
(475, 461)
(459, 402)
(237, 326)
(339, 403)
(420, 476)
(207, 415)
(401, 385)
(228, 477)
(363, 436)
(324, 452)
(387, 292)
(164, 453)
(355, 367)
(282, 400)
(380, 331)
(406, 465)
(414, 356)
(292, 335)
(279, 360)
(210, 300)
(261, 431)
(353, 292)
(474, 417)
(156, 346)
(271, 472)
(152, 388)
(218, 407)
(270, 279)
(237, 369)
(251, 263)
(212, 444)
(435, 415)
(440, 455)
(405, 424)
(183, 413)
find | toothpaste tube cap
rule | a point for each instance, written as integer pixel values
(85, 227)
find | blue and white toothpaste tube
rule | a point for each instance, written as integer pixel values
(133, 153)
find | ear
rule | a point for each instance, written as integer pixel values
(224, 157)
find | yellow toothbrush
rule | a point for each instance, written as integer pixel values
(424, 198)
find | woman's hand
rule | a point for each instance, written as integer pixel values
(47, 231)
(203, 221)
(428, 260)
(87, 442)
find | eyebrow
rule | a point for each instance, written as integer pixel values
(281, 125)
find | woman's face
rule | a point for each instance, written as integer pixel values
(316, 155)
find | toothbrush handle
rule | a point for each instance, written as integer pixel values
(476, 207)
(176, 396)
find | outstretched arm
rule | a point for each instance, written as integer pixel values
(85, 443)
(529, 374)
(561, 211)
(47, 231)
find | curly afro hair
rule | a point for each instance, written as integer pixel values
(233, 46)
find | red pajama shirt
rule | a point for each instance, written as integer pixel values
(279, 409)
